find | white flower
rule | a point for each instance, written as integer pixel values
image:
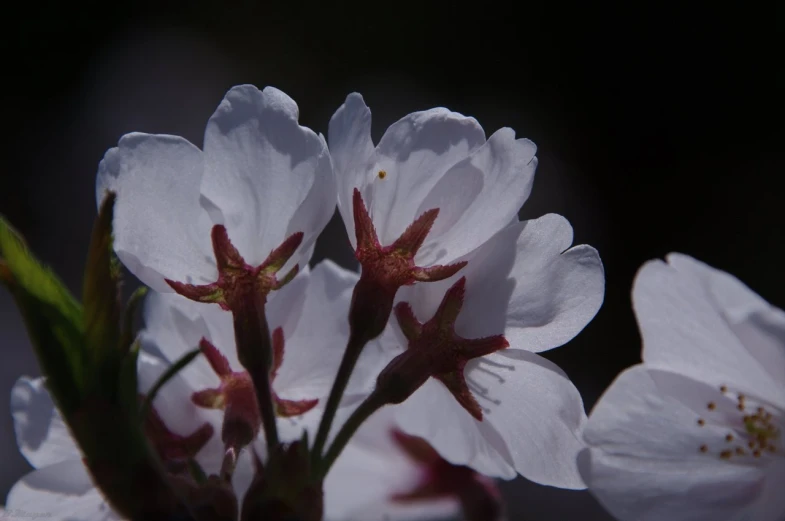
(696, 431)
(261, 175)
(515, 411)
(426, 160)
(61, 487)
(311, 313)
(401, 478)
(518, 412)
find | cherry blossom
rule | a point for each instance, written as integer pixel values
(695, 431)
(403, 478)
(261, 175)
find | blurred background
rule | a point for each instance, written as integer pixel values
(659, 129)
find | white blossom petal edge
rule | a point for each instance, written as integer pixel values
(261, 175)
(695, 432)
(430, 159)
(374, 464)
(528, 284)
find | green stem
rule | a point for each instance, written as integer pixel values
(370, 405)
(354, 347)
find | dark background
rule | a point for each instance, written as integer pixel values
(659, 129)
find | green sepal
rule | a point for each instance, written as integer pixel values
(128, 390)
(101, 296)
(52, 315)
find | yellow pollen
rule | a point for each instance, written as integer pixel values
(723, 388)
(757, 434)
(382, 174)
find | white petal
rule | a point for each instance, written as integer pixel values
(174, 326)
(415, 152)
(244, 472)
(759, 326)
(771, 503)
(314, 350)
(478, 197)
(374, 464)
(61, 492)
(684, 331)
(352, 152)
(160, 231)
(41, 433)
(284, 307)
(266, 177)
(181, 416)
(645, 462)
(536, 409)
(523, 283)
(433, 414)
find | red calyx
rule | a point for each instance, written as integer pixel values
(283, 488)
(174, 450)
(477, 494)
(387, 268)
(435, 350)
(237, 397)
(238, 280)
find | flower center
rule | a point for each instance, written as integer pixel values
(753, 426)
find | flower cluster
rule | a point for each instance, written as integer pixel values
(266, 388)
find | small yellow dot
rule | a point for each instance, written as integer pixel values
(729, 438)
(704, 448)
(726, 454)
(701, 422)
(724, 388)
(382, 174)
(711, 406)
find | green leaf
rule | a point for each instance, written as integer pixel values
(128, 391)
(52, 315)
(101, 293)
